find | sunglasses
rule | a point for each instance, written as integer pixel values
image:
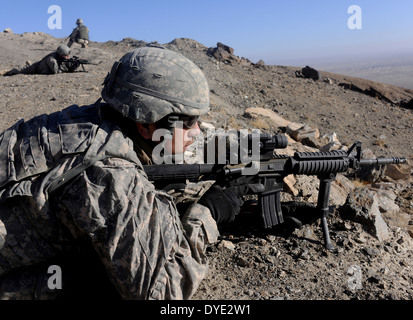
(188, 122)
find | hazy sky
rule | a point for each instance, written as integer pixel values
(272, 30)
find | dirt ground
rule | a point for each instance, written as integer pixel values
(250, 263)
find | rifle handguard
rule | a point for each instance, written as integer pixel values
(314, 163)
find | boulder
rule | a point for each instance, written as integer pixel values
(309, 73)
(223, 53)
(398, 171)
(274, 120)
(363, 206)
(260, 64)
(303, 133)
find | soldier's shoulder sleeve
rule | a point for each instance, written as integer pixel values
(199, 216)
(51, 64)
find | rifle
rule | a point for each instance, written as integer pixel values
(75, 62)
(271, 171)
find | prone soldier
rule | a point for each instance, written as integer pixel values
(53, 63)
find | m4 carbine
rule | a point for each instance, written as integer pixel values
(271, 170)
(75, 62)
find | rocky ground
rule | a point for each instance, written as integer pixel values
(372, 231)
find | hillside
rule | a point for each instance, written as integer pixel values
(250, 264)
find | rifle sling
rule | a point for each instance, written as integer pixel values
(70, 174)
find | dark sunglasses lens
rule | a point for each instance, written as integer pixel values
(189, 122)
(186, 122)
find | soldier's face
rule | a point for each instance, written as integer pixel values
(182, 138)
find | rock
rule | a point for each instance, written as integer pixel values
(225, 48)
(330, 142)
(340, 188)
(260, 63)
(305, 134)
(274, 120)
(309, 73)
(243, 261)
(397, 171)
(205, 126)
(331, 146)
(331, 137)
(362, 205)
(293, 127)
(289, 182)
(386, 201)
(307, 187)
(303, 255)
(306, 232)
(223, 53)
(227, 245)
(370, 252)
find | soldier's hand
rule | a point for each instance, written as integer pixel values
(226, 203)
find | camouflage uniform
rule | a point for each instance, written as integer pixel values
(73, 194)
(80, 35)
(53, 63)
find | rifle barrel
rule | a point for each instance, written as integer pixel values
(379, 161)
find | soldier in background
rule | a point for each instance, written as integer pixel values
(74, 195)
(80, 35)
(53, 63)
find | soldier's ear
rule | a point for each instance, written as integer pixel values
(146, 130)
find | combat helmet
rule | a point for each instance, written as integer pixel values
(150, 83)
(79, 21)
(63, 50)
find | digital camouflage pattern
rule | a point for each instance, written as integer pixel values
(150, 83)
(50, 64)
(80, 34)
(105, 205)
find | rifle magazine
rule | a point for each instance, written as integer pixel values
(270, 205)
